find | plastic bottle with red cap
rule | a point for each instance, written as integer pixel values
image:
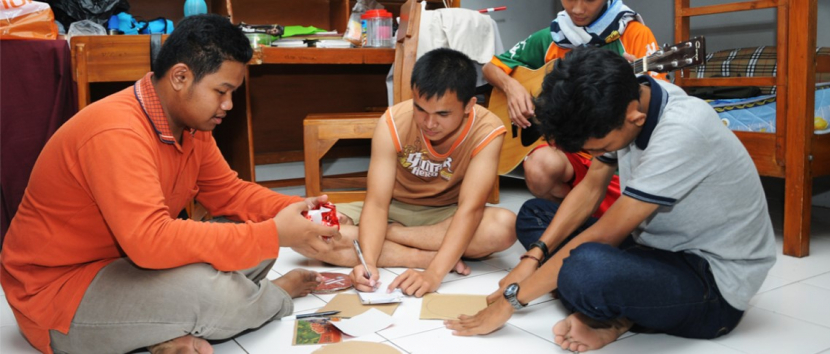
(377, 29)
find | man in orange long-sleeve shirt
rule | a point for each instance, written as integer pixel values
(96, 260)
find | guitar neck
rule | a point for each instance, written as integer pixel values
(669, 58)
(640, 66)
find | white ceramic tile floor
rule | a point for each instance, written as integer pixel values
(789, 315)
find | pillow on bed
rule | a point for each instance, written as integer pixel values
(747, 62)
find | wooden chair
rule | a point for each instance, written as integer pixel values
(322, 131)
(108, 59)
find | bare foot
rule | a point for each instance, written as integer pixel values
(298, 282)
(461, 268)
(579, 333)
(344, 220)
(182, 345)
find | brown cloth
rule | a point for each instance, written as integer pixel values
(38, 96)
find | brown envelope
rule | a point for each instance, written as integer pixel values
(450, 306)
(349, 306)
(357, 347)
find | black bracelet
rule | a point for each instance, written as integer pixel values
(542, 246)
(531, 257)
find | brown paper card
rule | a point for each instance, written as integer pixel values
(349, 306)
(357, 347)
(450, 306)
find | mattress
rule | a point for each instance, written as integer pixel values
(757, 114)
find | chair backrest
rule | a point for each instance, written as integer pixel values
(406, 49)
(108, 59)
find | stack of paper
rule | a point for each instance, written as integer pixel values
(289, 43)
(333, 43)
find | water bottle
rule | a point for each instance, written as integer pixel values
(194, 7)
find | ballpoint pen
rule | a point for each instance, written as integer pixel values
(362, 261)
(309, 315)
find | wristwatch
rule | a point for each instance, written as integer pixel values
(510, 294)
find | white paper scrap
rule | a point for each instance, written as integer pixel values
(366, 323)
(380, 296)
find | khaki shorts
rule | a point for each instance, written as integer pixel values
(405, 214)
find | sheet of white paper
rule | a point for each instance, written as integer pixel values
(380, 296)
(366, 323)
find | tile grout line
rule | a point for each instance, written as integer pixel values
(412, 334)
(399, 347)
(808, 278)
(240, 345)
(530, 333)
(791, 317)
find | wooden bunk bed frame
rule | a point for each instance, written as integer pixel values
(793, 152)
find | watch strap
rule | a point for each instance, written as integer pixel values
(511, 294)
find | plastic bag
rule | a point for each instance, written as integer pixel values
(85, 28)
(99, 11)
(354, 29)
(27, 20)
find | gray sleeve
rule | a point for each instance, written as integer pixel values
(677, 159)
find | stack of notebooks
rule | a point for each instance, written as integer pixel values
(320, 40)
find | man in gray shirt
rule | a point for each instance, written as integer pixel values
(685, 247)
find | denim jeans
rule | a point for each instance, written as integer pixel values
(533, 219)
(660, 291)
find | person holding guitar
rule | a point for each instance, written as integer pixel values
(683, 249)
(549, 172)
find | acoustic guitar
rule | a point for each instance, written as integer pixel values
(519, 142)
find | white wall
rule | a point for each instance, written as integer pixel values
(521, 18)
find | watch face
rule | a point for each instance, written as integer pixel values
(511, 289)
(510, 294)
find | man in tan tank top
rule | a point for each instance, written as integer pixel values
(420, 211)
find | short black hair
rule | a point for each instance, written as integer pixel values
(586, 95)
(444, 70)
(203, 43)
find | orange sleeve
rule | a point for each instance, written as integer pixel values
(493, 134)
(129, 196)
(393, 132)
(639, 41)
(223, 193)
(497, 62)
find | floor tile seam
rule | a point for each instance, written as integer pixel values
(240, 346)
(412, 334)
(731, 348)
(804, 282)
(398, 347)
(794, 280)
(789, 316)
(533, 334)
